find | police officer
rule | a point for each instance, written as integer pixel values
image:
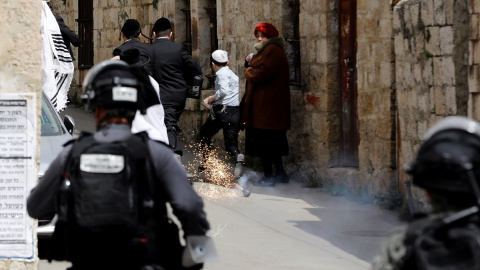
(447, 167)
(113, 87)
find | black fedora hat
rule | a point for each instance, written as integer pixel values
(134, 58)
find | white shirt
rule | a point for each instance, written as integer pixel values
(153, 121)
(226, 87)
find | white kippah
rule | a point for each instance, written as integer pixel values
(220, 56)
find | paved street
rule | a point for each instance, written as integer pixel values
(285, 227)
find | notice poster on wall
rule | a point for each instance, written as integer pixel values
(18, 173)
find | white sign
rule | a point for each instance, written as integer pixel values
(18, 174)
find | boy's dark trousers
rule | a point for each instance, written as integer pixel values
(226, 118)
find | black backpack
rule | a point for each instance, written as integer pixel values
(103, 189)
(113, 212)
(105, 199)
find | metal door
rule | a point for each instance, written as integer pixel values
(85, 31)
(349, 137)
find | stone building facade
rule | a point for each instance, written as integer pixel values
(437, 75)
(20, 73)
(368, 78)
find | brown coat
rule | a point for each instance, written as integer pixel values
(266, 102)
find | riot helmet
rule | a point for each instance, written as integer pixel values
(111, 84)
(448, 161)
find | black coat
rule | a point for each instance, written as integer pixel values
(142, 47)
(173, 67)
(68, 35)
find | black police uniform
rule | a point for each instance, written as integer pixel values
(171, 180)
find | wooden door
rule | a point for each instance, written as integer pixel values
(349, 137)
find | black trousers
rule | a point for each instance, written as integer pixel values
(172, 120)
(226, 118)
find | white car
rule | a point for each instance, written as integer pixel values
(54, 133)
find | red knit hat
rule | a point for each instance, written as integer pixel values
(267, 29)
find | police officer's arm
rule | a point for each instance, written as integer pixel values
(393, 252)
(42, 199)
(172, 179)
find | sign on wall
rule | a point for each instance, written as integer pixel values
(18, 173)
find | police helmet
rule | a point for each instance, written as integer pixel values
(112, 84)
(448, 156)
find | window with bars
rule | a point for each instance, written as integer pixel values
(188, 27)
(212, 13)
(211, 9)
(85, 31)
(292, 37)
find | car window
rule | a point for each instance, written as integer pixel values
(51, 125)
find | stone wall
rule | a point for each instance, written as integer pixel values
(431, 52)
(317, 132)
(376, 103)
(20, 67)
(474, 60)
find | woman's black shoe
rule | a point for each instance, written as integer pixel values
(265, 182)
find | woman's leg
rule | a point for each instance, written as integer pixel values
(280, 174)
(267, 166)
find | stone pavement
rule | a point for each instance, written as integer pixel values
(291, 227)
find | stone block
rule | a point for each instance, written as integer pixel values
(451, 100)
(448, 70)
(316, 123)
(474, 7)
(427, 12)
(474, 79)
(310, 50)
(321, 50)
(372, 75)
(422, 103)
(440, 107)
(384, 125)
(411, 129)
(446, 40)
(385, 28)
(422, 128)
(414, 10)
(332, 50)
(431, 100)
(398, 43)
(437, 71)
(439, 13)
(110, 18)
(427, 71)
(475, 106)
(432, 46)
(474, 25)
(417, 73)
(475, 52)
(407, 74)
(449, 12)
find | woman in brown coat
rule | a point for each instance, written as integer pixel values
(266, 104)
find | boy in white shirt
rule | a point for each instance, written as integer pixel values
(224, 111)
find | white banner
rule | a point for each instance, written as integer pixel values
(18, 174)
